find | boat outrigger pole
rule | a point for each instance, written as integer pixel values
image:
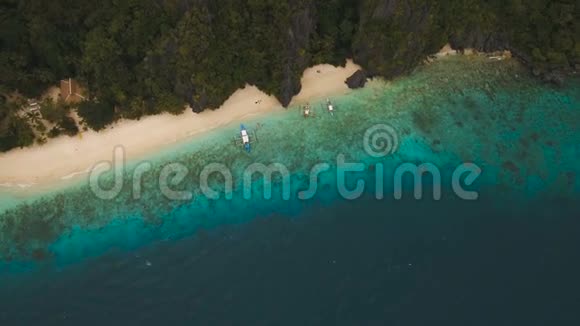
(245, 139)
(329, 107)
(307, 111)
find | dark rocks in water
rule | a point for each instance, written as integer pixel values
(511, 166)
(525, 142)
(357, 80)
(555, 77)
(571, 177)
(425, 120)
(436, 146)
(39, 254)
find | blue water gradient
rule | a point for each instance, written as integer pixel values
(523, 134)
(509, 257)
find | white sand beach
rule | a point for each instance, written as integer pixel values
(66, 158)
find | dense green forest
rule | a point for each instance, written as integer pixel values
(140, 57)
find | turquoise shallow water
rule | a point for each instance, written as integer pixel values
(508, 258)
(521, 133)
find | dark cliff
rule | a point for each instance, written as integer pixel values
(298, 35)
(141, 57)
(394, 36)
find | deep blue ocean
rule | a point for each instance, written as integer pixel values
(509, 257)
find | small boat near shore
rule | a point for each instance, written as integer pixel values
(307, 111)
(245, 139)
(330, 107)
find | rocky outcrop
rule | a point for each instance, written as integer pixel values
(394, 36)
(480, 41)
(298, 36)
(496, 41)
(357, 80)
(555, 77)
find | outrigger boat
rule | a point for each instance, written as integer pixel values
(307, 111)
(329, 107)
(245, 138)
